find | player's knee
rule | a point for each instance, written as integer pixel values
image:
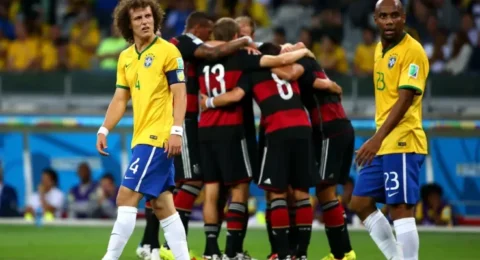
(399, 211)
(326, 192)
(278, 195)
(128, 197)
(212, 192)
(362, 206)
(298, 194)
(240, 192)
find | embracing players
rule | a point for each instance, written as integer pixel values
(224, 156)
(150, 72)
(392, 158)
(187, 171)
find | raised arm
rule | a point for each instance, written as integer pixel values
(289, 72)
(210, 52)
(269, 61)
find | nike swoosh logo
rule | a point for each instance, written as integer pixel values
(392, 194)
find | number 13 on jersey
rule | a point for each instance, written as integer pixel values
(219, 87)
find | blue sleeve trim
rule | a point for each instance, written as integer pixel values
(175, 76)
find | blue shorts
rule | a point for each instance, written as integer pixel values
(391, 178)
(150, 171)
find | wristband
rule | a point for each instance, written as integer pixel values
(176, 130)
(209, 103)
(103, 130)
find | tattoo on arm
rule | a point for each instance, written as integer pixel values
(222, 50)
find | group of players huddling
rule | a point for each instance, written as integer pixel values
(305, 138)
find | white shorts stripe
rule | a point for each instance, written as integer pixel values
(265, 149)
(146, 168)
(404, 171)
(324, 157)
(187, 169)
(246, 158)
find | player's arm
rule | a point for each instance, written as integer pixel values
(289, 72)
(412, 82)
(328, 85)
(269, 61)
(230, 97)
(210, 52)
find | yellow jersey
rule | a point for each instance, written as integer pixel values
(148, 75)
(403, 65)
(364, 57)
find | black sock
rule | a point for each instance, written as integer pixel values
(150, 235)
(268, 218)
(292, 232)
(280, 227)
(245, 227)
(303, 222)
(334, 224)
(211, 235)
(235, 225)
(185, 217)
(347, 245)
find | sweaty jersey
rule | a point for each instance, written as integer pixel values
(218, 77)
(187, 44)
(282, 110)
(148, 75)
(401, 66)
(325, 108)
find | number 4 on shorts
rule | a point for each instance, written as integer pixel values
(134, 166)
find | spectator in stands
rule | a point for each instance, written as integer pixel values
(48, 199)
(306, 38)
(346, 197)
(279, 36)
(8, 198)
(438, 53)
(332, 56)
(461, 53)
(84, 39)
(3, 50)
(106, 194)
(432, 209)
(364, 54)
(22, 53)
(82, 197)
(175, 20)
(5, 24)
(110, 48)
(468, 26)
(49, 50)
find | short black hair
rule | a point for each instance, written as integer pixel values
(431, 188)
(370, 29)
(108, 176)
(52, 174)
(280, 30)
(197, 18)
(269, 48)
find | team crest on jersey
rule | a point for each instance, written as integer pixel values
(148, 60)
(180, 75)
(392, 60)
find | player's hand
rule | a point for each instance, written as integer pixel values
(368, 151)
(287, 47)
(252, 51)
(102, 144)
(203, 102)
(174, 146)
(335, 88)
(310, 54)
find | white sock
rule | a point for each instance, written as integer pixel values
(407, 236)
(382, 234)
(174, 233)
(122, 230)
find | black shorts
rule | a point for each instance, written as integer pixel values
(187, 165)
(225, 161)
(286, 162)
(334, 157)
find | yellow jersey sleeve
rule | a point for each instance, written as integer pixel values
(121, 78)
(414, 71)
(174, 66)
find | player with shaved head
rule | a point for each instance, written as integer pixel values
(392, 158)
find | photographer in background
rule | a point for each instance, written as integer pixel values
(106, 194)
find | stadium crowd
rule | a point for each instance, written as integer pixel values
(77, 34)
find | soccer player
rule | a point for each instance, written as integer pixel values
(150, 72)
(223, 155)
(287, 155)
(187, 171)
(391, 159)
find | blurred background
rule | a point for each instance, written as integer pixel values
(57, 75)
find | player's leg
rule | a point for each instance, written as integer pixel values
(369, 189)
(237, 173)
(128, 197)
(274, 177)
(335, 161)
(402, 194)
(301, 151)
(150, 234)
(292, 212)
(211, 179)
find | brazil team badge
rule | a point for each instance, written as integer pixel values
(392, 60)
(148, 60)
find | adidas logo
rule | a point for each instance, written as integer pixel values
(267, 181)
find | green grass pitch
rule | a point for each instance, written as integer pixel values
(89, 243)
